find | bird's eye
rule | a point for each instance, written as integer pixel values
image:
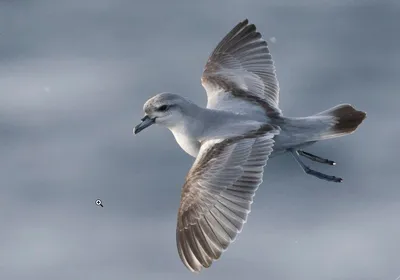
(163, 108)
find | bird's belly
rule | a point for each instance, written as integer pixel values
(189, 145)
(285, 141)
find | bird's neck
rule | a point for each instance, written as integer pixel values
(188, 131)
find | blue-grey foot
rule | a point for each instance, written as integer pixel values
(313, 172)
(316, 158)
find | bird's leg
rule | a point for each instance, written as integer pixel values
(315, 158)
(312, 172)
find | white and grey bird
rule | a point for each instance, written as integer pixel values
(232, 139)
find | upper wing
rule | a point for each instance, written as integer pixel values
(217, 195)
(241, 67)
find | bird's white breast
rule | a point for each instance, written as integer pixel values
(188, 144)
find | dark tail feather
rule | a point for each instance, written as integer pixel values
(347, 120)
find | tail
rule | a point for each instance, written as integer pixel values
(346, 119)
(335, 122)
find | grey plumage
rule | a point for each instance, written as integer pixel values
(232, 139)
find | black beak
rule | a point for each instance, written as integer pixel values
(146, 122)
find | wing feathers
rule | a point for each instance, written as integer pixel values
(217, 196)
(242, 66)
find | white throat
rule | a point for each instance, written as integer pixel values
(188, 144)
(187, 134)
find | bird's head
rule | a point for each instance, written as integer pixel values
(166, 109)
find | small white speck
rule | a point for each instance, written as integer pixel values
(273, 40)
(46, 89)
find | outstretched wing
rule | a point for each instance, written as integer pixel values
(217, 195)
(241, 66)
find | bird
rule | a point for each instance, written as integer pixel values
(231, 140)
